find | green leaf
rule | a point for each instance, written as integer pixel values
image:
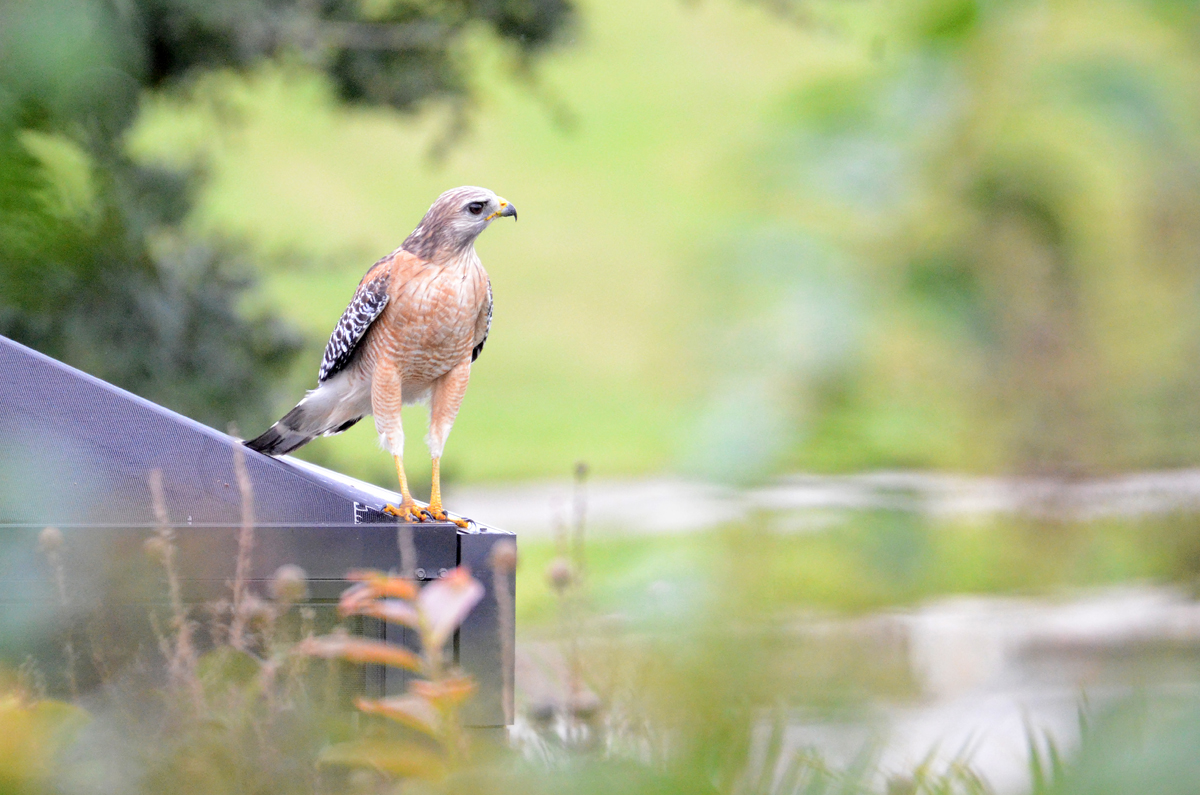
(394, 757)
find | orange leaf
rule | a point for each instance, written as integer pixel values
(450, 691)
(354, 598)
(412, 711)
(384, 584)
(360, 650)
(393, 611)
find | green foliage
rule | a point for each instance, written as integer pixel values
(1015, 190)
(380, 52)
(865, 561)
(90, 271)
(33, 735)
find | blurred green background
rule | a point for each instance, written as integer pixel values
(754, 238)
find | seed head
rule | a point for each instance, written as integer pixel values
(541, 712)
(50, 541)
(585, 706)
(255, 611)
(504, 557)
(289, 585)
(560, 574)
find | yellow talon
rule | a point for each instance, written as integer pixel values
(408, 511)
(435, 511)
(442, 516)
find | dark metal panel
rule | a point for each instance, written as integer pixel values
(395, 680)
(479, 648)
(96, 558)
(76, 453)
(76, 450)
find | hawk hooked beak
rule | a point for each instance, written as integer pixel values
(505, 210)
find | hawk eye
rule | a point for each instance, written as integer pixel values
(475, 208)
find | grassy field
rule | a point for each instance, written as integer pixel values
(866, 561)
(626, 158)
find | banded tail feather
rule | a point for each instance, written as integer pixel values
(324, 411)
(284, 436)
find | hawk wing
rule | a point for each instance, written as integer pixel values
(368, 303)
(485, 320)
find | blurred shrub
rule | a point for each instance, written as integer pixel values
(1014, 190)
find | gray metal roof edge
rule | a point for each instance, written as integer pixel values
(213, 433)
(313, 473)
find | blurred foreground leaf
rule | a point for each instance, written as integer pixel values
(31, 738)
(393, 757)
(359, 650)
(445, 603)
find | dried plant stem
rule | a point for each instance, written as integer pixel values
(408, 551)
(182, 657)
(579, 517)
(72, 684)
(573, 595)
(505, 607)
(574, 662)
(565, 580)
(237, 628)
(103, 667)
(167, 535)
(31, 684)
(60, 582)
(297, 663)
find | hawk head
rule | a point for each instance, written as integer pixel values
(455, 220)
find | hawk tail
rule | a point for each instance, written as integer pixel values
(284, 436)
(320, 413)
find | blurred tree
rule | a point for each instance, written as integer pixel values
(93, 266)
(1015, 188)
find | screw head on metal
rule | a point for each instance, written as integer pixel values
(443, 572)
(420, 574)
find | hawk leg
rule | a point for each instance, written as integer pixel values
(435, 498)
(408, 510)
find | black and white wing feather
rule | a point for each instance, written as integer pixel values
(312, 416)
(487, 326)
(368, 303)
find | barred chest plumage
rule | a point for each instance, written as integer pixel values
(431, 322)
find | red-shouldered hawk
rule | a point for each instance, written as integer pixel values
(419, 318)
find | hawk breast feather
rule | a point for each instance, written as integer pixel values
(368, 303)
